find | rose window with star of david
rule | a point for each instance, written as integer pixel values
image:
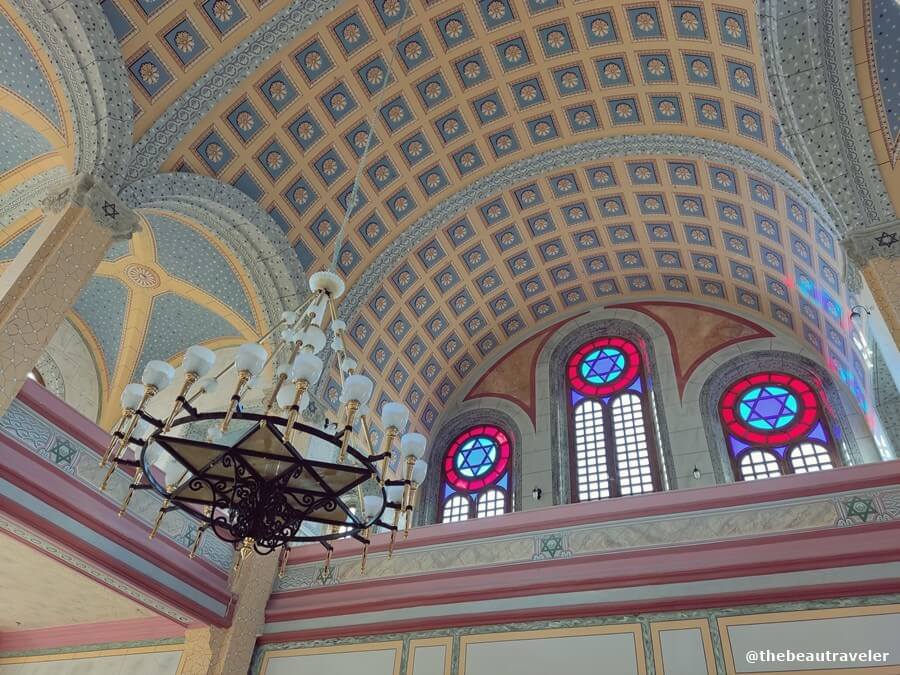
(476, 475)
(611, 426)
(774, 424)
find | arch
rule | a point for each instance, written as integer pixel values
(476, 476)
(433, 498)
(612, 449)
(761, 358)
(79, 42)
(775, 424)
(844, 173)
(236, 220)
(562, 413)
(653, 145)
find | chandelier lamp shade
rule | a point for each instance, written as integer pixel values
(251, 479)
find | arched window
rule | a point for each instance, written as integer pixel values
(612, 442)
(475, 475)
(774, 425)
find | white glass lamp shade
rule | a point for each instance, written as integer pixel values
(208, 385)
(348, 364)
(420, 469)
(357, 388)
(289, 335)
(158, 374)
(337, 343)
(388, 516)
(132, 395)
(327, 281)
(338, 326)
(313, 337)
(307, 367)
(251, 357)
(394, 493)
(283, 369)
(372, 505)
(290, 318)
(413, 444)
(285, 398)
(198, 360)
(395, 415)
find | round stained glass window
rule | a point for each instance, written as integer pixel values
(478, 457)
(603, 366)
(769, 408)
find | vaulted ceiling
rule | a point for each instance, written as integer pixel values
(527, 158)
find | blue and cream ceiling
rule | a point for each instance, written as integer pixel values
(528, 157)
(171, 286)
(35, 125)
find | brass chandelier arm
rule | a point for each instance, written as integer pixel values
(301, 308)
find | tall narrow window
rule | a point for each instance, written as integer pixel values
(612, 445)
(475, 475)
(774, 425)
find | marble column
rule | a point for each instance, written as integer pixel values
(81, 218)
(228, 651)
(876, 252)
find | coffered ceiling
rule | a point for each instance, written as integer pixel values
(527, 157)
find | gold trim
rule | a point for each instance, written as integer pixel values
(76, 656)
(725, 623)
(445, 642)
(702, 625)
(632, 628)
(396, 645)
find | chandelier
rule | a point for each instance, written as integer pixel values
(261, 491)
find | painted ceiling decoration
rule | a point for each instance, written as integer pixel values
(528, 158)
(596, 231)
(65, 79)
(234, 221)
(827, 121)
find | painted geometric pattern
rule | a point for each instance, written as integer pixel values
(73, 458)
(179, 246)
(467, 93)
(822, 512)
(595, 243)
(168, 45)
(24, 75)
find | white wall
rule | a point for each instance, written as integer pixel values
(152, 663)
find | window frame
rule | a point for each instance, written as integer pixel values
(473, 496)
(784, 462)
(609, 429)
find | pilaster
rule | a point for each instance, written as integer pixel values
(38, 289)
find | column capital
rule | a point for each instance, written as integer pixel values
(879, 241)
(93, 193)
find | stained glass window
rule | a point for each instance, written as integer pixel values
(612, 442)
(774, 424)
(476, 482)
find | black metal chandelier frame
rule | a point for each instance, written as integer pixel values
(247, 506)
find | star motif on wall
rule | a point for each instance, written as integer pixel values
(860, 508)
(887, 240)
(110, 210)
